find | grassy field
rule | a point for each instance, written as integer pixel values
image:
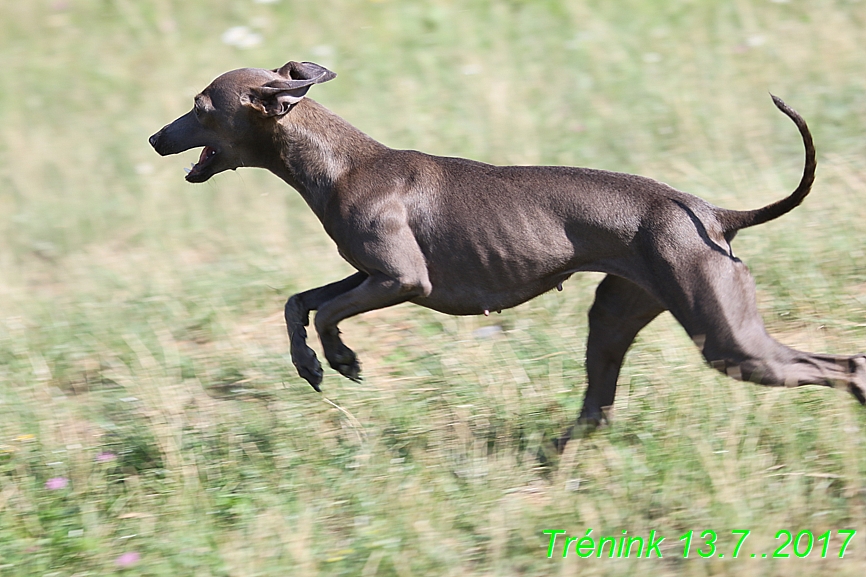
(151, 422)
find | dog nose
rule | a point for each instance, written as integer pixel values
(154, 139)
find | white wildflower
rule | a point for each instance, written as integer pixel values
(241, 37)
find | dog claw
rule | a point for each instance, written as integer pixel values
(314, 378)
(350, 369)
(312, 375)
(352, 373)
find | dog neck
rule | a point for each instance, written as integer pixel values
(317, 149)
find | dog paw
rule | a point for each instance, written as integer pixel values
(584, 427)
(308, 365)
(345, 362)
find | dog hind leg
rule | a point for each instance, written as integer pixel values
(716, 302)
(621, 309)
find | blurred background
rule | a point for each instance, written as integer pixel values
(151, 422)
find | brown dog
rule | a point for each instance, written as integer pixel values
(465, 238)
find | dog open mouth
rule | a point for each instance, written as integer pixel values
(195, 173)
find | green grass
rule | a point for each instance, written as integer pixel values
(140, 317)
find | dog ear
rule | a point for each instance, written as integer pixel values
(275, 98)
(305, 71)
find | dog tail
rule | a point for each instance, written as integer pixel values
(734, 220)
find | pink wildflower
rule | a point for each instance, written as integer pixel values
(105, 457)
(55, 483)
(128, 559)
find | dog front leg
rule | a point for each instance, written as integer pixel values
(375, 292)
(297, 313)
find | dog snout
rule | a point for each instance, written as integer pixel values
(180, 135)
(161, 144)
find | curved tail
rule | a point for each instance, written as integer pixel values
(734, 220)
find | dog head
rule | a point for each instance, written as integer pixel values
(232, 115)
